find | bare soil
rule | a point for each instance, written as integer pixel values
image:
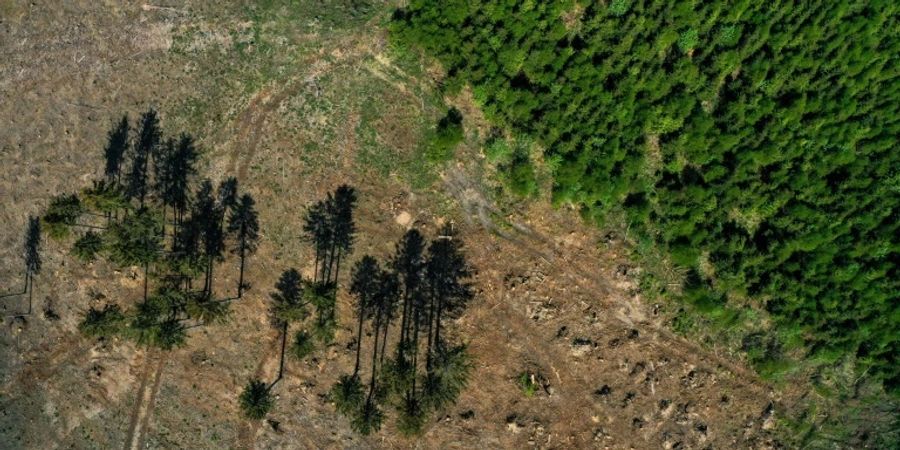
(556, 299)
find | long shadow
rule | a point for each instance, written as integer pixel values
(28, 289)
(284, 331)
(24, 290)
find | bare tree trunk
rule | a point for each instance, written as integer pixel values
(375, 354)
(384, 343)
(241, 275)
(428, 347)
(337, 270)
(404, 323)
(30, 291)
(358, 340)
(146, 267)
(415, 347)
(437, 323)
(284, 331)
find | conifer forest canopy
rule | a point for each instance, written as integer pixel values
(755, 141)
(450, 223)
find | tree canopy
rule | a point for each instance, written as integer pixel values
(753, 140)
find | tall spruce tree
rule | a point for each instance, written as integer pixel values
(256, 400)
(369, 418)
(136, 240)
(409, 264)
(387, 301)
(347, 393)
(244, 226)
(32, 256)
(163, 173)
(447, 274)
(317, 230)
(116, 150)
(343, 227)
(183, 169)
(364, 285)
(207, 218)
(143, 152)
(288, 306)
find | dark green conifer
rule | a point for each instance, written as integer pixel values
(255, 400)
(244, 226)
(143, 152)
(115, 151)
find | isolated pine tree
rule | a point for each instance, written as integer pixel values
(255, 400)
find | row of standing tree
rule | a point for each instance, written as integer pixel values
(414, 293)
(150, 210)
(330, 228)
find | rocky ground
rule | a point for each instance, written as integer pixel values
(295, 102)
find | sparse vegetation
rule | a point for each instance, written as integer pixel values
(527, 384)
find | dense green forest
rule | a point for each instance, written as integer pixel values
(756, 142)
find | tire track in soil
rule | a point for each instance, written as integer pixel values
(144, 400)
(251, 123)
